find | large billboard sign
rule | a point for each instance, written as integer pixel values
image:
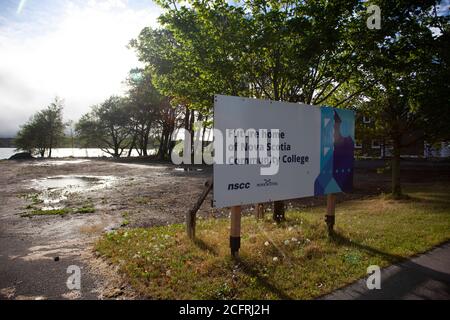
(277, 151)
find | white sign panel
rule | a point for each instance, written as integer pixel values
(310, 148)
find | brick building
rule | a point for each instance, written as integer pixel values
(370, 144)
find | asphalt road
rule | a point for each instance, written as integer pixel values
(426, 277)
(41, 277)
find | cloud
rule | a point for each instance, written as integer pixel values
(79, 54)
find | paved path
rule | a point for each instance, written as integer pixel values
(424, 277)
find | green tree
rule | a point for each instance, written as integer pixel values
(43, 131)
(409, 62)
(283, 50)
(31, 137)
(151, 114)
(107, 126)
(144, 100)
(196, 54)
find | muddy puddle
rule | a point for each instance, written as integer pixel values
(53, 191)
(140, 166)
(49, 163)
(188, 170)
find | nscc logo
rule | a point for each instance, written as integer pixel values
(239, 186)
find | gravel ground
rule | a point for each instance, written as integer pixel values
(145, 195)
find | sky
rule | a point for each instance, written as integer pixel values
(73, 49)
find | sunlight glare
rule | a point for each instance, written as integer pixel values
(21, 5)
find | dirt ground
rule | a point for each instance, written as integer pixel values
(36, 250)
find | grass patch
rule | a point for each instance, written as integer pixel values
(293, 260)
(33, 197)
(34, 209)
(85, 209)
(57, 212)
(125, 216)
(53, 212)
(390, 196)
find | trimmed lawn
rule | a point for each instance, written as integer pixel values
(294, 260)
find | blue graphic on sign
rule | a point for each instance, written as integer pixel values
(336, 151)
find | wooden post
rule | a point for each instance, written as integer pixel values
(331, 210)
(190, 225)
(259, 211)
(278, 211)
(235, 231)
(191, 215)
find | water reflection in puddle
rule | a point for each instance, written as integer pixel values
(48, 163)
(188, 170)
(54, 190)
(67, 182)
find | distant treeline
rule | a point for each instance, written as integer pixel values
(140, 121)
(65, 142)
(7, 143)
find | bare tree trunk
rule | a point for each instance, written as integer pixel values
(203, 140)
(187, 124)
(50, 146)
(396, 183)
(145, 146)
(278, 206)
(163, 144)
(191, 130)
(133, 144)
(168, 141)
